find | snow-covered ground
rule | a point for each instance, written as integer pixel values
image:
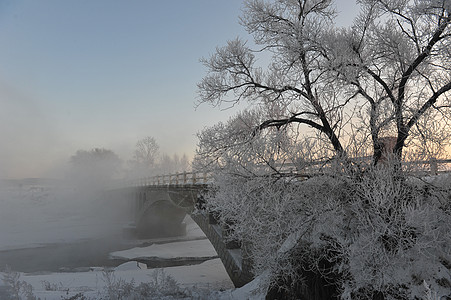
(196, 249)
(209, 275)
(33, 216)
(208, 279)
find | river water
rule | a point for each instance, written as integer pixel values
(76, 256)
(56, 230)
(80, 256)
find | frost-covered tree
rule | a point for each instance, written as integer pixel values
(290, 31)
(320, 91)
(339, 235)
(378, 78)
(396, 60)
(234, 146)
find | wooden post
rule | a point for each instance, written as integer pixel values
(386, 146)
(434, 166)
(194, 178)
(184, 177)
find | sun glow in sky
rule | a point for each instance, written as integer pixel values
(83, 74)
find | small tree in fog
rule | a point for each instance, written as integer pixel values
(146, 152)
(94, 167)
(145, 157)
(148, 161)
(174, 164)
(184, 163)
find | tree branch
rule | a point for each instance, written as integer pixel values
(282, 122)
(428, 104)
(420, 58)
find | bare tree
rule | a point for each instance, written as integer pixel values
(390, 68)
(174, 164)
(294, 81)
(233, 146)
(397, 58)
(145, 157)
(146, 152)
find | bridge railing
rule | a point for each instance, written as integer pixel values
(306, 169)
(413, 167)
(185, 178)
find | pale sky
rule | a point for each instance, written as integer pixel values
(83, 74)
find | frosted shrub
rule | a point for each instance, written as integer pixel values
(162, 286)
(363, 234)
(265, 212)
(48, 286)
(117, 289)
(398, 237)
(18, 289)
(385, 237)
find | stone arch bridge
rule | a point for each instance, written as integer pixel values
(158, 205)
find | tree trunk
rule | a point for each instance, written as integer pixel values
(313, 287)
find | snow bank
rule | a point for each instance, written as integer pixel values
(131, 265)
(209, 275)
(200, 249)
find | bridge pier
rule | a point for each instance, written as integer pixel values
(232, 255)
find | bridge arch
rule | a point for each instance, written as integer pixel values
(155, 216)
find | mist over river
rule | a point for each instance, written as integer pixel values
(46, 226)
(64, 239)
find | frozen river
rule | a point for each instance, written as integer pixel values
(76, 256)
(68, 240)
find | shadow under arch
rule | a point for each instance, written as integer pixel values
(160, 219)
